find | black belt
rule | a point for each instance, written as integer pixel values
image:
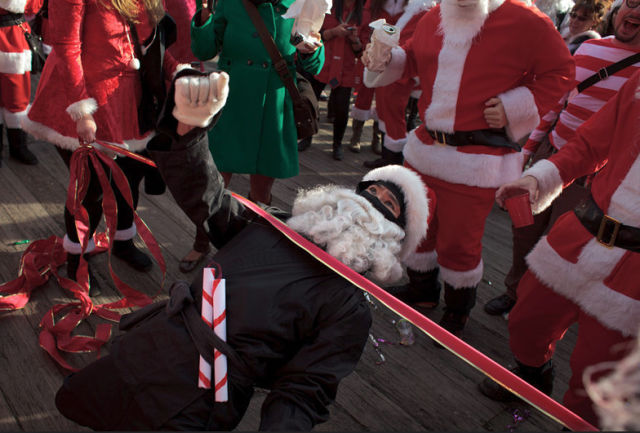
(482, 137)
(9, 20)
(607, 230)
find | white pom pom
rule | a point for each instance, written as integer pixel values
(134, 64)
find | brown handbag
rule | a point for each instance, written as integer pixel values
(305, 104)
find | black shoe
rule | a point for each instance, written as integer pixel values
(539, 377)
(127, 251)
(304, 144)
(18, 148)
(388, 158)
(499, 305)
(337, 153)
(73, 263)
(423, 289)
(376, 163)
(454, 322)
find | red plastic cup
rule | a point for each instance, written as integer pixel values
(519, 209)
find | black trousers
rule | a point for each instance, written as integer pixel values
(134, 172)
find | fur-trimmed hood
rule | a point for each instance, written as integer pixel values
(411, 9)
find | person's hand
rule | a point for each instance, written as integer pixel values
(205, 13)
(309, 47)
(86, 129)
(339, 31)
(353, 35)
(494, 114)
(526, 183)
(199, 98)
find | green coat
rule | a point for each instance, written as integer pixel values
(255, 133)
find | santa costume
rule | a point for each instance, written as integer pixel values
(463, 57)
(585, 270)
(15, 74)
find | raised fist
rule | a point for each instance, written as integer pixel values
(199, 98)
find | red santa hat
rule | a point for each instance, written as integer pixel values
(415, 209)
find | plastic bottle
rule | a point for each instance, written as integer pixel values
(406, 332)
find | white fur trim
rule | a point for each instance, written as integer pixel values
(415, 199)
(43, 132)
(582, 283)
(15, 63)
(360, 114)
(549, 184)
(422, 262)
(179, 68)
(413, 8)
(126, 234)
(81, 108)
(521, 110)
(75, 247)
(15, 6)
(14, 120)
(394, 145)
(446, 163)
(625, 201)
(392, 72)
(462, 279)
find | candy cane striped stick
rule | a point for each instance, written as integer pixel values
(220, 328)
(204, 371)
(214, 314)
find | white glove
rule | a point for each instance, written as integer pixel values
(199, 98)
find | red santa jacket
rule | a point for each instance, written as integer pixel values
(461, 64)
(98, 80)
(15, 55)
(602, 281)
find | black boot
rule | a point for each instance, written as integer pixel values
(356, 133)
(387, 158)
(376, 142)
(18, 149)
(127, 251)
(423, 289)
(539, 377)
(459, 303)
(337, 151)
(304, 144)
(73, 263)
(499, 305)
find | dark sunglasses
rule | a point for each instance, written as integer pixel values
(575, 16)
(633, 3)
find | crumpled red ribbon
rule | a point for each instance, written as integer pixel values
(42, 258)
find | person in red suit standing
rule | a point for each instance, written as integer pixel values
(91, 89)
(15, 75)
(586, 269)
(487, 70)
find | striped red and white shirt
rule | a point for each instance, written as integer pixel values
(591, 56)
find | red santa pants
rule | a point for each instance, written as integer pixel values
(364, 98)
(391, 103)
(15, 91)
(456, 228)
(540, 319)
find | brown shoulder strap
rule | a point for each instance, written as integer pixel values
(278, 61)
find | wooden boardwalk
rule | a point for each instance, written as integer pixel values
(418, 388)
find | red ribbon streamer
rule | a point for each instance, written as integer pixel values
(42, 258)
(464, 351)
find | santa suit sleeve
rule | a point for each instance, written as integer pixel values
(551, 75)
(68, 17)
(32, 7)
(308, 383)
(588, 150)
(544, 128)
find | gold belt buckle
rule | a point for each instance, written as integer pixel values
(616, 227)
(441, 138)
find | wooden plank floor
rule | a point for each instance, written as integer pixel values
(418, 388)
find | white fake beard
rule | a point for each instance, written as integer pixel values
(349, 228)
(460, 25)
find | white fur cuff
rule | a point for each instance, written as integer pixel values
(126, 234)
(360, 114)
(521, 110)
(394, 145)
(462, 279)
(392, 72)
(549, 183)
(75, 247)
(15, 6)
(422, 261)
(81, 108)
